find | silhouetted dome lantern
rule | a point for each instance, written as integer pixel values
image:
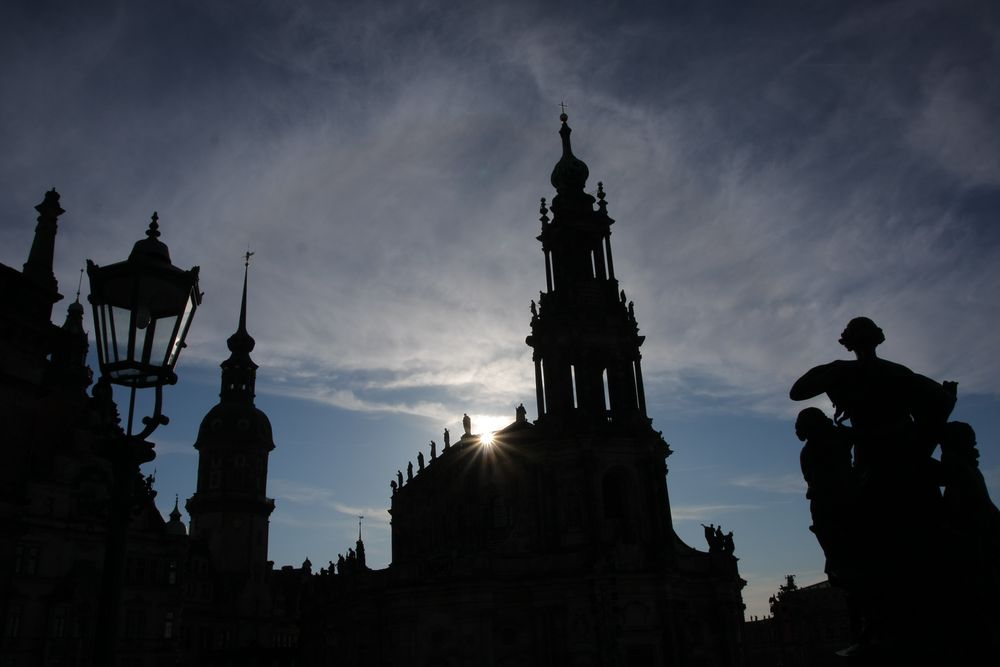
(142, 311)
(570, 173)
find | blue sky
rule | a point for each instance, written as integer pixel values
(775, 169)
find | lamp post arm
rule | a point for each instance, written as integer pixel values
(150, 423)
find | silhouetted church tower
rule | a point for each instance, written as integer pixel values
(230, 508)
(585, 337)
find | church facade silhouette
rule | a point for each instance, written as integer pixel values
(546, 543)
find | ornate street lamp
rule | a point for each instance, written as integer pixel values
(142, 310)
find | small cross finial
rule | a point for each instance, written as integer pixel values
(247, 256)
(562, 116)
(360, 518)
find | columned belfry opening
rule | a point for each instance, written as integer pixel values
(584, 332)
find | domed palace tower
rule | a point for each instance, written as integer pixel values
(230, 508)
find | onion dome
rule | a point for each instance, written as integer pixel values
(570, 173)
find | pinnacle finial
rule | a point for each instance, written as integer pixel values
(545, 213)
(601, 203)
(175, 514)
(562, 116)
(49, 207)
(154, 227)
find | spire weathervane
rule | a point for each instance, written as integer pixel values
(360, 518)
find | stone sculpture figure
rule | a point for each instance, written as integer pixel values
(831, 490)
(399, 478)
(392, 484)
(433, 450)
(897, 417)
(409, 471)
(710, 536)
(970, 513)
(521, 415)
(467, 425)
(447, 439)
(713, 535)
(420, 461)
(895, 412)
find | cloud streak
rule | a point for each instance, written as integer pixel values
(313, 497)
(788, 483)
(705, 512)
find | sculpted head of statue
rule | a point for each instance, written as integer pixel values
(861, 333)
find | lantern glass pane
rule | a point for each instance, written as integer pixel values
(182, 327)
(121, 319)
(102, 334)
(163, 331)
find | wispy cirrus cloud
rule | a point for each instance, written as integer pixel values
(320, 498)
(703, 512)
(785, 483)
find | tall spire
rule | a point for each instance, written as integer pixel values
(241, 342)
(239, 370)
